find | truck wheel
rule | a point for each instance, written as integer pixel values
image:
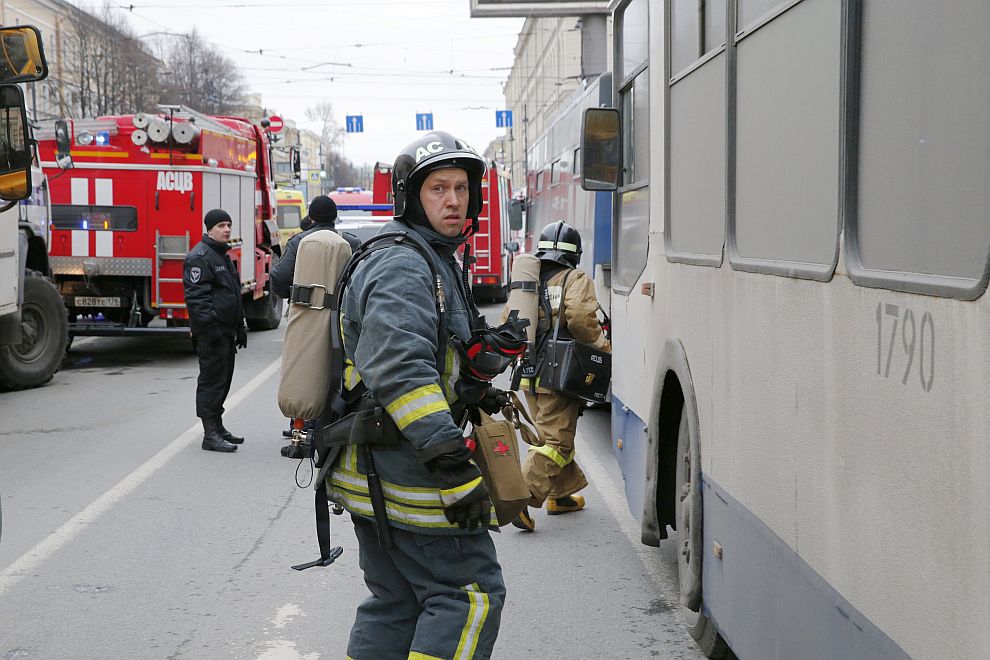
(688, 517)
(45, 331)
(271, 307)
(501, 294)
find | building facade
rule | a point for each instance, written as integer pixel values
(552, 57)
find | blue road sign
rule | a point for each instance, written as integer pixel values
(424, 121)
(355, 123)
(503, 119)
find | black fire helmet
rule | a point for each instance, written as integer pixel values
(561, 243)
(434, 151)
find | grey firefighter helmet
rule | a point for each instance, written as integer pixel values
(561, 243)
(433, 151)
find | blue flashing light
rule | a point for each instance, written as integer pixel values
(85, 224)
(102, 139)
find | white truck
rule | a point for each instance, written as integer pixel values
(33, 322)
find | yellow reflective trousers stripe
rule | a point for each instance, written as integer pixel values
(554, 455)
(477, 613)
(416, 655)
(417, 404)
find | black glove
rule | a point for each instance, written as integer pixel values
(462, 490)
(241, 341)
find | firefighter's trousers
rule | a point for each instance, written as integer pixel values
(550, 470)
(432, 596)
(216, 371)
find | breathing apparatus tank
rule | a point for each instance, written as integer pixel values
(524, 292)
(302, 390)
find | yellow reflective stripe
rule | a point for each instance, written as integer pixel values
(556, 245)
(404, 494)
(477, 613)
(524, 382)
(452, 495)
(450, 372)
(351, 375)
(350, 458)
(417, 404)
(412, 516)
(416, 655)
(553, 455)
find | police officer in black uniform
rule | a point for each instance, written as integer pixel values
(216, 318)
(322, 215)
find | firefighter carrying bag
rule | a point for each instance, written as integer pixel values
(497, 456)
(574, 369)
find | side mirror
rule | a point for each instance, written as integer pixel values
(22, 58)
(601, 149)
(63, 143)
(515, 214)
(512, 247)
(15, 147)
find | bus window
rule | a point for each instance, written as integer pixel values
(631, 230)
(920, 219)
(787, 113)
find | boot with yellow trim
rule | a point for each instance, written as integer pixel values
(524, 521)
(559, 505)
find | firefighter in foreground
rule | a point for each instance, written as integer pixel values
(436, 584)
(552, 474)
(322, 216)
(216, 319)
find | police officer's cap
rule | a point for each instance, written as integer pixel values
(215, 217)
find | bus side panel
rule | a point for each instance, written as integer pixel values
(769, 603)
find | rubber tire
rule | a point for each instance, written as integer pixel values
(501, 294)
(35, 361)
(272, 317)
(700, 627)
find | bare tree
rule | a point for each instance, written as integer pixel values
(108, 70)
(197, 74)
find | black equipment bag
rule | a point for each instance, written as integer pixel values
(574, 369)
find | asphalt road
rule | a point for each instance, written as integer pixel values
(122, 539)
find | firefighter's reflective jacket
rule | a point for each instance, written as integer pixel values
(580, 310)
(389, 324)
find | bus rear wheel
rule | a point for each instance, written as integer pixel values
(690, 544)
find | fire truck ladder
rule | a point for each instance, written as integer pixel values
(198, 118)
(168, 248)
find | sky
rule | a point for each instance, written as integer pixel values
(385, 60)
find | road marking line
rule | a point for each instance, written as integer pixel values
(30, 560)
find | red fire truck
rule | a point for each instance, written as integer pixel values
(132, 205)
(493, 245)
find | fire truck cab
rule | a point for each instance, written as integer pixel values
(131, 205)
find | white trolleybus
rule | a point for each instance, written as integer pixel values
(801, 385)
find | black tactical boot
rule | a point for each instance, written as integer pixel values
(212, 438)
(228, 436)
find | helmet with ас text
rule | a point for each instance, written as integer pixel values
(434, 151)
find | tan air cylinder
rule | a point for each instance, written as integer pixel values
(524, 295)
(302, 390)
